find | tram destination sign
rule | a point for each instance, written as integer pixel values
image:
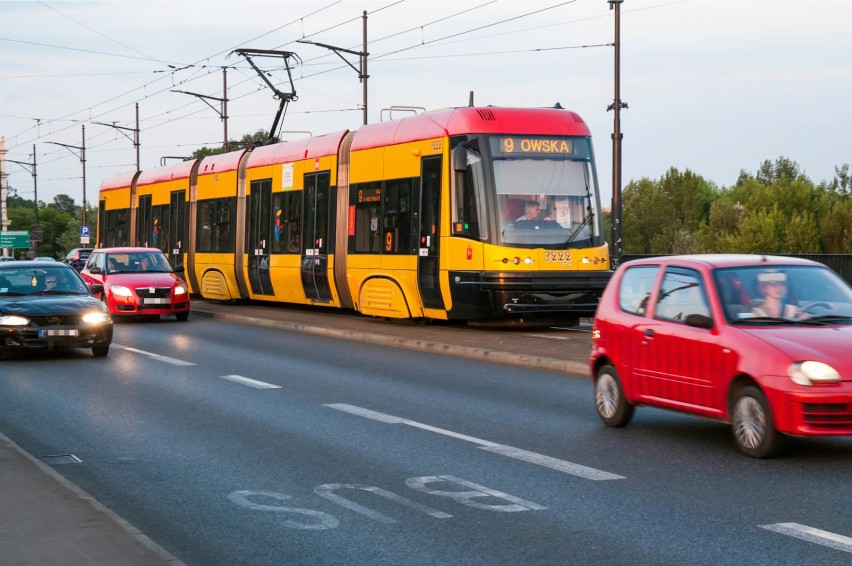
(14, 239)
(533, 145)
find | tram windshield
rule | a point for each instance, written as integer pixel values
(545, 191)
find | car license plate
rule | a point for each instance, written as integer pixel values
(57, 332)
(155, 301)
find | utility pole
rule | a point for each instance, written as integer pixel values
(82, 156)
(36, 233)
(31, 169)
(362, 58)
(4, 220)
(223, 103)
(617, 105)
(134, 139)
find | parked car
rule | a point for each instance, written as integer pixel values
(759, 342)
(137, 281)
(77, 257)
(44, 305)
(44, 258)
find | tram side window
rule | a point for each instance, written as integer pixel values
(468, 198)
(286, 222)
(368, 231)
(397, 217)
(160, 227)
(216, 225)
(117, 228)
(143, 221)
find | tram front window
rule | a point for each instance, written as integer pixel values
(544, 202)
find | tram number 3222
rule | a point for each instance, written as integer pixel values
(561, 256)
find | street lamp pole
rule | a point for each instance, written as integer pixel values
(82, 156)
(362, 60)
(134, 139)
(223, 104)
(617, 105)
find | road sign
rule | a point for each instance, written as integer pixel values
(36, 232)
(84, 232)
(15, 239)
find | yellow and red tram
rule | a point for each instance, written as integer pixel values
(459, 214)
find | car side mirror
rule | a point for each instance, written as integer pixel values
(97, 289)
(699, 321)
(95, 270)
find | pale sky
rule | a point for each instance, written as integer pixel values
(712, 86)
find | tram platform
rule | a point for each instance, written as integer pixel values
(47, 520)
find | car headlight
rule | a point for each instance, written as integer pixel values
(95, 317)
(13, 320)
(809, 372)
(121, 291)
(180, 290)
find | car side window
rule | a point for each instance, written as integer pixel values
(635, 288)
(682, 293)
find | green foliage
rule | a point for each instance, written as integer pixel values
(776, 210)
(249, 140)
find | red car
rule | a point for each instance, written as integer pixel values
(760, 342)
(137, 281)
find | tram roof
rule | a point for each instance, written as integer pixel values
(120, 181)
(220, 163)
(180, 170)
(471, 120)
(289, 151)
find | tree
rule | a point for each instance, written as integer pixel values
(248, 140)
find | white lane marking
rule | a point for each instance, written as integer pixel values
(810, 534)
(516, 453)
(250, 382)
(158, 357)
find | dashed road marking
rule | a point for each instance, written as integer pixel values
(250, 382)
(158, 357)
(810, 534)
(516, 453)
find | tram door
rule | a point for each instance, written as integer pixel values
(259, 224)
(428, 247)
(315, 237)
(177, 227)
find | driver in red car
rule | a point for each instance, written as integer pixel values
(772, 285)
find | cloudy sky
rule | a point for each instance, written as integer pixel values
(712, 86)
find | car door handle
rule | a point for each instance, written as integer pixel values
(649, 332)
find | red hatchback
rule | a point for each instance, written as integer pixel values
(760, 342)
(137, 281)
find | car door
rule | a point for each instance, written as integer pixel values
(682, 362)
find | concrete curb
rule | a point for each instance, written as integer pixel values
(408, 343)
(134, 533)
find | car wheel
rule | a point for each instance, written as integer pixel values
(182, 316)
(100, 351)
(753, 425)
(613, 409)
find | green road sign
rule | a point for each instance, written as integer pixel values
(15, 239)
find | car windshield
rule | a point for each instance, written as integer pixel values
(59, 280)
(784, 294)
(137, 262)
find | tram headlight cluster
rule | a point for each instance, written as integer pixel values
(517, 261)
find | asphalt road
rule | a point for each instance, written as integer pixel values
(228, 443)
